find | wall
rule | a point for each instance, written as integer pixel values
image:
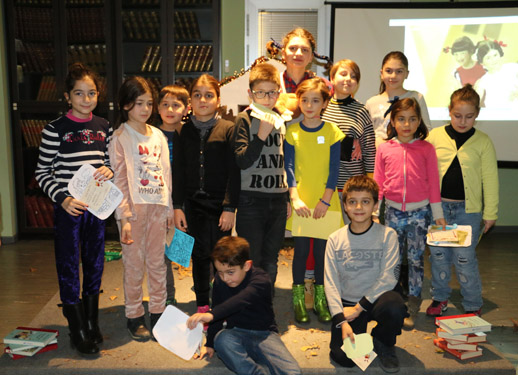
(7, 201)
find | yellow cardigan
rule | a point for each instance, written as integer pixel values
(477, 159)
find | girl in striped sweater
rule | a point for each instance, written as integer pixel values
(77, 138)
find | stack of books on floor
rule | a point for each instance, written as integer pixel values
(26, 342)
(460, 335)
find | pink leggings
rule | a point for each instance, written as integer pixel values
(145, 253)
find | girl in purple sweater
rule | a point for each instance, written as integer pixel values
(406, 171)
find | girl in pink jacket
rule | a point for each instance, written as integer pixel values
(406, 171)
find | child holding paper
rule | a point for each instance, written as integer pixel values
(263, 200)
(361, 271)
(242, 298)
(77, 138)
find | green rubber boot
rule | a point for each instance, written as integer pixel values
(320, 305)
(301, 315)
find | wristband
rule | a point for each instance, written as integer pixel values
(323, 201)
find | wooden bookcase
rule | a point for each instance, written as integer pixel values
(163, 40)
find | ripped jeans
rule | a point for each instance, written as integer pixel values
(464, 259)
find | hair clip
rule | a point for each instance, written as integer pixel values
(446, 49)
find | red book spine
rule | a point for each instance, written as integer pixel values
(29, 210)
(47, 348)
(37, 212)
(42, 203)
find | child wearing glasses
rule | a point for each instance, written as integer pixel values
(263, 202)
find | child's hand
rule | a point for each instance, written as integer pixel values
(357, 150)
(488, 224)
(300, 207)
(347, 331)
(179, 220)
(204, 351)
(265, 127)
(126, 232)
(170, 222)
(288, 211)
(442, 222)
(352, 312)
(226, 221)
(320, 210)
(193, 321)
(103, 174)
(73, 207)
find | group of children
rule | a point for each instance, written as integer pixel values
(193, 176)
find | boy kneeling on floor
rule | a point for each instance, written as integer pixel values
(242, 297)
(361, 270)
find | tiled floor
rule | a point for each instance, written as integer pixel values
(28, 279)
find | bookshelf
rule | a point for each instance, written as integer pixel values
(166, 41)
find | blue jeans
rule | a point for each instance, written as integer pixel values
(411, 228)
(251, 352)
(464, 259)
(262, 222)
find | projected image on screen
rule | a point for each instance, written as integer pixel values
(447, 53)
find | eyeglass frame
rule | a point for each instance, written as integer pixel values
(276, 93)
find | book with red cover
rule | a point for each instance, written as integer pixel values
(463, 346)
(47, 348)
(442, 344)
(462, 324)
(467, 338)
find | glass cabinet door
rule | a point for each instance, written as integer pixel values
(35, 53)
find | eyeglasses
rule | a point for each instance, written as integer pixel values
(262, 94)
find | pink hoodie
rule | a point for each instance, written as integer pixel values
(407, 172)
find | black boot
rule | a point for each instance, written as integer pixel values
(91, 305)
(137, 329)
(79, 337)
(153, 319)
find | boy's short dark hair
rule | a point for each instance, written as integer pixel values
(180, 92)
(234, 251)
(361, 183)
(263, 72)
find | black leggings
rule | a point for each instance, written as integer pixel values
(301, 255)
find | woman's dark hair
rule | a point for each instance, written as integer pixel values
(129, 91)
(403, 105)
(396, 55)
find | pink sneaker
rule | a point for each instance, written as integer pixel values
(436, 308)
(201, 310)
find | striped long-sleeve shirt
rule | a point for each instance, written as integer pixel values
(354, 121)
(66, 145)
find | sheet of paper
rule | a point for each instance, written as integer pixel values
(102, 198)
(364, 361)
(259, 111)
(362, 345)
(172, 333)
(463, 233)
(317, 228)
(180, 248)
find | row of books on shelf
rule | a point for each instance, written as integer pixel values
(460, 335)
(141, 25)
(157, 2)
(47, 91)
(187, 58)
(26, 341)
(33, 24)
(85, 25)
(31, 131)
(186, 26)
(92, 55)
(193, 58)
(36, 57)
(67, 2)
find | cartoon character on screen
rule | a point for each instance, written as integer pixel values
(498, 88)
(469, 69)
